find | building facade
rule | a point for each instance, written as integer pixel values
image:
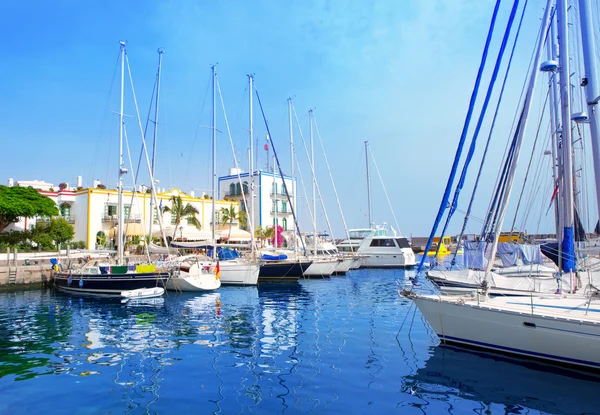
(267, 202)
(93, 212)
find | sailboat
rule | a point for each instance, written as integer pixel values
(120, 280)
(563, 328)
(375, 244)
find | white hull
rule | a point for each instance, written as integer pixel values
(239, 273)
(141, 293)
(556, 328)
(343, 266)
(196, 279)
(321, 268)
(396, 258)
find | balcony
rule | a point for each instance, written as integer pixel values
(279, 194)
(286, 211)
(237, 194)
(115, 218)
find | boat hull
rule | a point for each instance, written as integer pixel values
(108, 284)
(239, 273)
(193, 283)
(321, 268)
(282, 270)
(569, 341)
(395, 260)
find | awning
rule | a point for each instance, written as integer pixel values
(236, 235)
(130, 229)
(188, 233)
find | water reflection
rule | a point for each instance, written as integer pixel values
(494, 383)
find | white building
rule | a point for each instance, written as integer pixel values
(94, 214)
(270, 201)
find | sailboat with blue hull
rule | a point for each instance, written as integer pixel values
(119, 280)
(563, 328)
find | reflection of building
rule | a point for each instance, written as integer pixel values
(93, 213)
(271, 204)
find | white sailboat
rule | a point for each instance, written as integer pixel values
(562, 328)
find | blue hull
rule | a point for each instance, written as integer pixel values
(282, 270)
(108, 284)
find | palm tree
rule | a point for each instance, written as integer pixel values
(228, 215)
(259, 234)
(180, 211)
(269, 232)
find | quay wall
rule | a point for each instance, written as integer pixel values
(29, 275)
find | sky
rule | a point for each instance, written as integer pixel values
(396, 73)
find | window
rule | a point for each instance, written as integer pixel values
(403, 242)
(126, 210)
(173, 218)
(111, 210)
(231, 189)
(383, 242)
(155, 218)
(274, 191)
(284, 224)
(238, 189)
(65, 211)
(284, 206)
(245, 187)
(274, 206)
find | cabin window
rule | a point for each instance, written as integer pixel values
(383, 242)
(403, 242)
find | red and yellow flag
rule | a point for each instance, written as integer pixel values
(218, 271)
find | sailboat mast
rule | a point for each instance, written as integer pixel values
(122, 170)
(292, 159)
(214, 157)
(588, 44)
(155, 133)
(251, 162)
(568, 247)
(314, 180)
(368, 184)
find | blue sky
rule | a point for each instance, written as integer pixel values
(396, 73)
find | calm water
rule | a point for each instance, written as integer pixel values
(344, 345)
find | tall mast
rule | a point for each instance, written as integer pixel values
(160, 53)
(214, 157)
(568, 247)
(314, 180)
(251, 162)
(554, 122)
(588, 44)
(292, 159)
(275, 204)
(122, 170)
(368, 184)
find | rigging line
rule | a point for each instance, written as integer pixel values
(198, 126)
(133, 193)
(494, 118)
(306, 199)
(312, 170)
(332, 182)
(537, 178)
(446, 196)
(519, 102)
(384, 190)
(537, 134)
(279, 167)
(103, 121)
(139, 121)
(234, 156)
(488, 96)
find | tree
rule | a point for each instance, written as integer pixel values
(180, 211)
(228, 215)
(58, 230)
(17, 202)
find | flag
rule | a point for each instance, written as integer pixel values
(552, 198)
(218, 271)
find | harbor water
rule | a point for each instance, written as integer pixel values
(342, 345)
